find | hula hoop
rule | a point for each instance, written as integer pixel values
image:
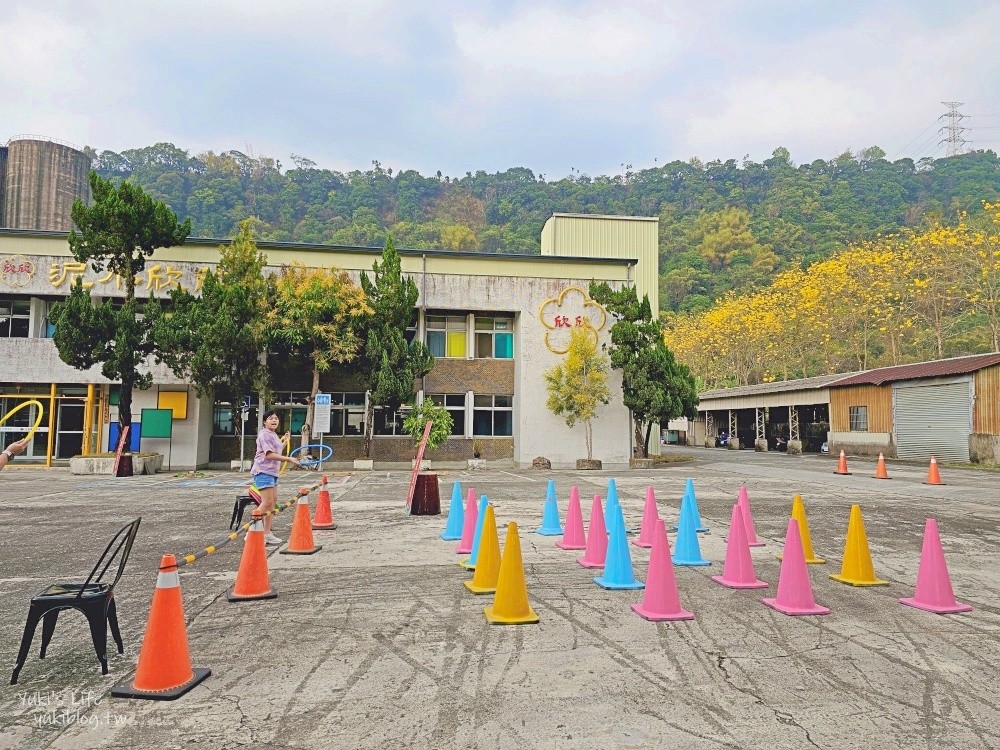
(18, 408)
(315, 461)
(286, 442)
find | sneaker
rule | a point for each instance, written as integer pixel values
(270, 538)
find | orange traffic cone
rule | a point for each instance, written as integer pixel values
(842, 464)
(164, 672)
(252, 580)
(300, 539)
(933, 475)
(323, 519)
(880, 472)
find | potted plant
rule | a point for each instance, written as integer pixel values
(477, 454)
(417, 419)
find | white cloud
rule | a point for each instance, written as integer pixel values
(595, 51)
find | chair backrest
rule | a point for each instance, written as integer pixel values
(120, 547)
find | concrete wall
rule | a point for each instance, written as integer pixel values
(984, 448)
(862, 443)
(188, 446)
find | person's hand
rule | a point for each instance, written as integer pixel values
(18, 447)
(296, 461)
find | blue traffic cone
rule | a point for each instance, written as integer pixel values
(686, 549)
(456, 516)
(612, 499)
(550, 515)
(618, 572)
(689, 489)
(470, 563)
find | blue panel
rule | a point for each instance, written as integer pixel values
(135, 435)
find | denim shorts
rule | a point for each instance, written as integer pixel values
(264, 481)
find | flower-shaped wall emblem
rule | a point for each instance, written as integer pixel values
(571, 309)
(16, 271)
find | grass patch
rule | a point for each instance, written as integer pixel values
(975, 467)
(671, 459)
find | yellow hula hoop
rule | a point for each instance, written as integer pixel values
(18, 408)
(286, 442)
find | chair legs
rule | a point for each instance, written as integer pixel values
(48, 628)
(113, 624)
(100, 615)
(34, 614)
(239, 507)
(99, 632)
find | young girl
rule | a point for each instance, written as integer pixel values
(266, 463)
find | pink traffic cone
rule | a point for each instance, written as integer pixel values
(738, 572)
(795, 595)
(469, 527)
(751, 532)
(934, 592)
(661, 601)
(650, 515)
(597, 538)
(573, 536)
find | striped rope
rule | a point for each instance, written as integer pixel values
(211, 549)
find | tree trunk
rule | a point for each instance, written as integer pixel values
(589, 436)
(640, 449)
(310, 410)
(369, 426)
(645, 445)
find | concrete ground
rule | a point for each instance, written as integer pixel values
(374, 642)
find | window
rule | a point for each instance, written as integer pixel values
(455, 404)
(859, 419)
(226, 418)
(493, 415)
(494, 338)
(446, 335)
(14, 318)
(389, 422)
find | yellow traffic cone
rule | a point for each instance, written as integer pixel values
(510, 604)
(488, 563)
(856, 569)
(799, 514)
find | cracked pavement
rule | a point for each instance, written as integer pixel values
(374, 643)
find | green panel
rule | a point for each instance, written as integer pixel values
(114, 395)
(157, 423)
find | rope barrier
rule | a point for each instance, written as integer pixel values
(23, 405)
(211, 549)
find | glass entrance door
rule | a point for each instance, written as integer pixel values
(69, 429)
(18, 426)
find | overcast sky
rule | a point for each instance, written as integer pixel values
(461, 86)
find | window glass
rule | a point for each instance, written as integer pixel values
(14, 318)
(492, 416)
(504, 346)
(455, 404)
(859, 418)
(503, 423)
(456, 343)
(435, 342)
(494, 339)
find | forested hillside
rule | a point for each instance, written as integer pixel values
(723, 225)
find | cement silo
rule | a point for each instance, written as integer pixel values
(43, 179)
(3, 180)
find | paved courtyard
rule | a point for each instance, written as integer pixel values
(374, 643)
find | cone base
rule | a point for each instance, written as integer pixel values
(843, 473)
(876, 476)
(604, 583)
(690, 563)
(463, 550)
(912, 602)
(700, 529)
(589, 563)
(754, 584)
(570, 545)
(450, 537)
(312, 551)
(468, 564)
(326, 527)
(479, 589)
(858, 581)
(549, 532)
(642, 543)
(128, 690)
(528, 619)
(271, 593)
(757, 544)
(816, 609)
(647, 614)
(935, 484)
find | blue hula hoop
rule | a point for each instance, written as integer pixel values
(322, 456)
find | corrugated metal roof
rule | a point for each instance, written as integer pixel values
(919, 370)
(802, 384)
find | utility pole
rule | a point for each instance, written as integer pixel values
(953, 129)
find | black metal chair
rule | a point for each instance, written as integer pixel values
(239, 507)
(94, 597)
